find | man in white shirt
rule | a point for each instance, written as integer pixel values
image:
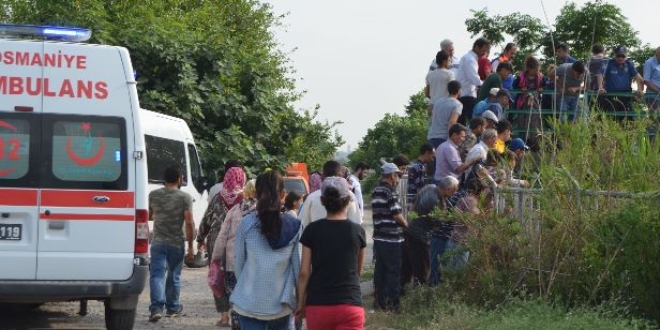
(480, 150)
(448, 46)
(313, 209)
(438, 79)
(361, 169)
(468, 76)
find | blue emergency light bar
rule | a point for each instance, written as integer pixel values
(58, 33)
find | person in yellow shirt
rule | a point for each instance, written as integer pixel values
(503, 135)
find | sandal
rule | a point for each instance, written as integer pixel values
(224, 321)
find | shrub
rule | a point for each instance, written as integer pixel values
(572, 242)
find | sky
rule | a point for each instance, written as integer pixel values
(361, 59)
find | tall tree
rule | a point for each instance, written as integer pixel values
(395, 134)
(216, 64)
(595, 22)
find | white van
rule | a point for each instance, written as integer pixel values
(169, 141)
(73, 173)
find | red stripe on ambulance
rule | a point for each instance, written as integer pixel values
(95, 199)
(88, 217)
(18, 197)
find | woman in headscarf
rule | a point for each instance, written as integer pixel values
(315, 181)
(224, 244)
(229, 196)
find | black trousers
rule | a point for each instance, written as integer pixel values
(415, 264)
(387, 275)
(468, 106)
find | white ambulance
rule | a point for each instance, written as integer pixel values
(73, 173)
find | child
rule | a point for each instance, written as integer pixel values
(292, 203)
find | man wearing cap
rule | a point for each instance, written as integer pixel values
(389, 222)
(448, 46)
(618, 76)
(652, 80)
(483, 104)
(518, 147)
(491, 119)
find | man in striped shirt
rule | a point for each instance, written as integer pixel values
(388, 223)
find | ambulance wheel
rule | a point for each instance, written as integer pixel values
(119, 319)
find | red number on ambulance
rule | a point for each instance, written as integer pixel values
(14, 146)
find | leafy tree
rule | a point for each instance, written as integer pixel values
(216, 64)
(527, 31)
(395, 134)
(593, 23)
(580, 27)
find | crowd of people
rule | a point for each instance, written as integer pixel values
(569, 89)
(287, 257)
(284, 257)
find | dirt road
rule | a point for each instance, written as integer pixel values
(199, 311)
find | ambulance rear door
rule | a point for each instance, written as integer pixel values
(20, 109)
(87, 227)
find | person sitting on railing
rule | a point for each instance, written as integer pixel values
(618, 76)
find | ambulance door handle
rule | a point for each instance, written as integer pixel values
(101, 199)
(56, 225)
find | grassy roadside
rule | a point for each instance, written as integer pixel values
(430, 309)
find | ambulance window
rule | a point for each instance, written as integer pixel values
(195, 167)
(87, 152)
(161, 153)
(15, 148)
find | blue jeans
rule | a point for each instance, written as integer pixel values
(248, 323)
(438, 246)
(436, 142)
(569, 108)
(458, 256)
(165, 259)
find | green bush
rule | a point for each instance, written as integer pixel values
(574, 244)
(425, 308)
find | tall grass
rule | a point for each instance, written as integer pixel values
(432, 309)
(573, 247)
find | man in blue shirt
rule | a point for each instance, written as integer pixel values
(618, 77)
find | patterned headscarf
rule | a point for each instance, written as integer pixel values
(315, 181)
(232, 187)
